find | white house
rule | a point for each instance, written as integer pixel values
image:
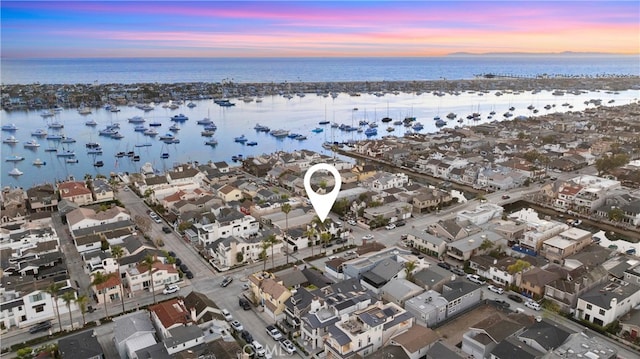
(229, 222)
(86, 218)
(607, 302)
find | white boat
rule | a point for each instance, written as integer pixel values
(15, 172)
(84, 110)
(39, 133)
(39, 162)
(31, 144)
(10, 127)
(10, 140)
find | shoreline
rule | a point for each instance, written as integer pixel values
(46, 96)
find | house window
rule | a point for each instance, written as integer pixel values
(39, 308)
(36, 297)
(601, 311)
(589, 306)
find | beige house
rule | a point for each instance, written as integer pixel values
(565, 244)
(229, 193)
(76, 192)
(111, 287)
(270, 293)
(137, 278)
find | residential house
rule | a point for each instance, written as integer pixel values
(382, 273)
(203, 310)
(430, 200)
(82, 345)
(534, 281)
(585, 345)
(450, 229)
(229, 193)
(87, 218)
(168, 315)
(138, 277)
(484, 336)
(565, 290)
(482, 214)
(102, 190)
(269, 293)
(76, 192)
(503, 271)
(545, 335)
(42, 198)
(463, 249)
(228, 222)
(133, 332)
(433, 278)
(427, 243)
(415, 342)
(109, 290)
(428, 308)
(566, 243)
(399, 290)
(365, 332)
(607, 302)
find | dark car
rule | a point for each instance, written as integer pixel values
(183, 267)
(504, 196)
(40, 327)
(172, 254)
(341, 240)
(501, 303)
(166, 229)
(400, 223)
(226, 281)
(327, 245)
(515, 298)
(244, 304)
(178, 262)
(188, 274)
(444, 265)
(246, 336)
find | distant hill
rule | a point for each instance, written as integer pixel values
(563, 53)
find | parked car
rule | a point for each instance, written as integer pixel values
(172, 254)
(226, 281)
(390, 226)
(274, 332)
(227, 316)
(400, 223)
(287, 345)
(495, 289)
(166, 229)
(184, 267)
(533, 305)
(178, 262)
(474, 278)
(515, 298)
(236, 325)
(367, 236)
(246, 336)
(244, 304)
(501, 303)
(351, 222)
(188, 274)
(258, 349)
(170, 289)
(341, 240)
(40, 327)
(504, 196)
(458, 271)
(444, 265)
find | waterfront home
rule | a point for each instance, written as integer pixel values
(42, 198)
(102, 190)
(76, 192)
(566, 243)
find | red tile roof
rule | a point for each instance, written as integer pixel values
(113, 281)
(72, 189)
(171, 312)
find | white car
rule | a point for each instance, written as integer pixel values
(170, 289)
(351, 222)
(390, 226)
(237, 326)
(474, 278)
(287, 345)
(533, 305)
(227, 316)
(367, 236)
(495, 289)
(274, 332)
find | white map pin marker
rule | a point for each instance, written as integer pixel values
(322, 203)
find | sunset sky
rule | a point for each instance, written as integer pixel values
(314, 29)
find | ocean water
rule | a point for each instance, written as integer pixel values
(250, 70)
(298, 114)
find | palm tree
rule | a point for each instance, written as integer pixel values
(100, 278)
(286, 208)
(117, 252)
(310, 233)
(148, 262)
(325, 238)
(53, 290)
(82, 303)
(68, 297)
(409, 267)
(265, 245)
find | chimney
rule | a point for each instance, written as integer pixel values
(315, 305)
(495, 261)
(193, 314)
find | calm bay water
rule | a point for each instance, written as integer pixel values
(172, 70)
(299, 114)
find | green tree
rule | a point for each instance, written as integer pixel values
(518, 266)
(239, 257)
(117, 252)
(409, 267)
(82, 302)
(486, 244)
(340, 207)
(68, 297)
(616, 214)
(25, 353)
(325, 238)
(311, 233)
(265, 244)
(148, 263)
(286, 208)
(183, 226)
(53, 290)
(272, 240)
(147, 193)
(100, 278)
